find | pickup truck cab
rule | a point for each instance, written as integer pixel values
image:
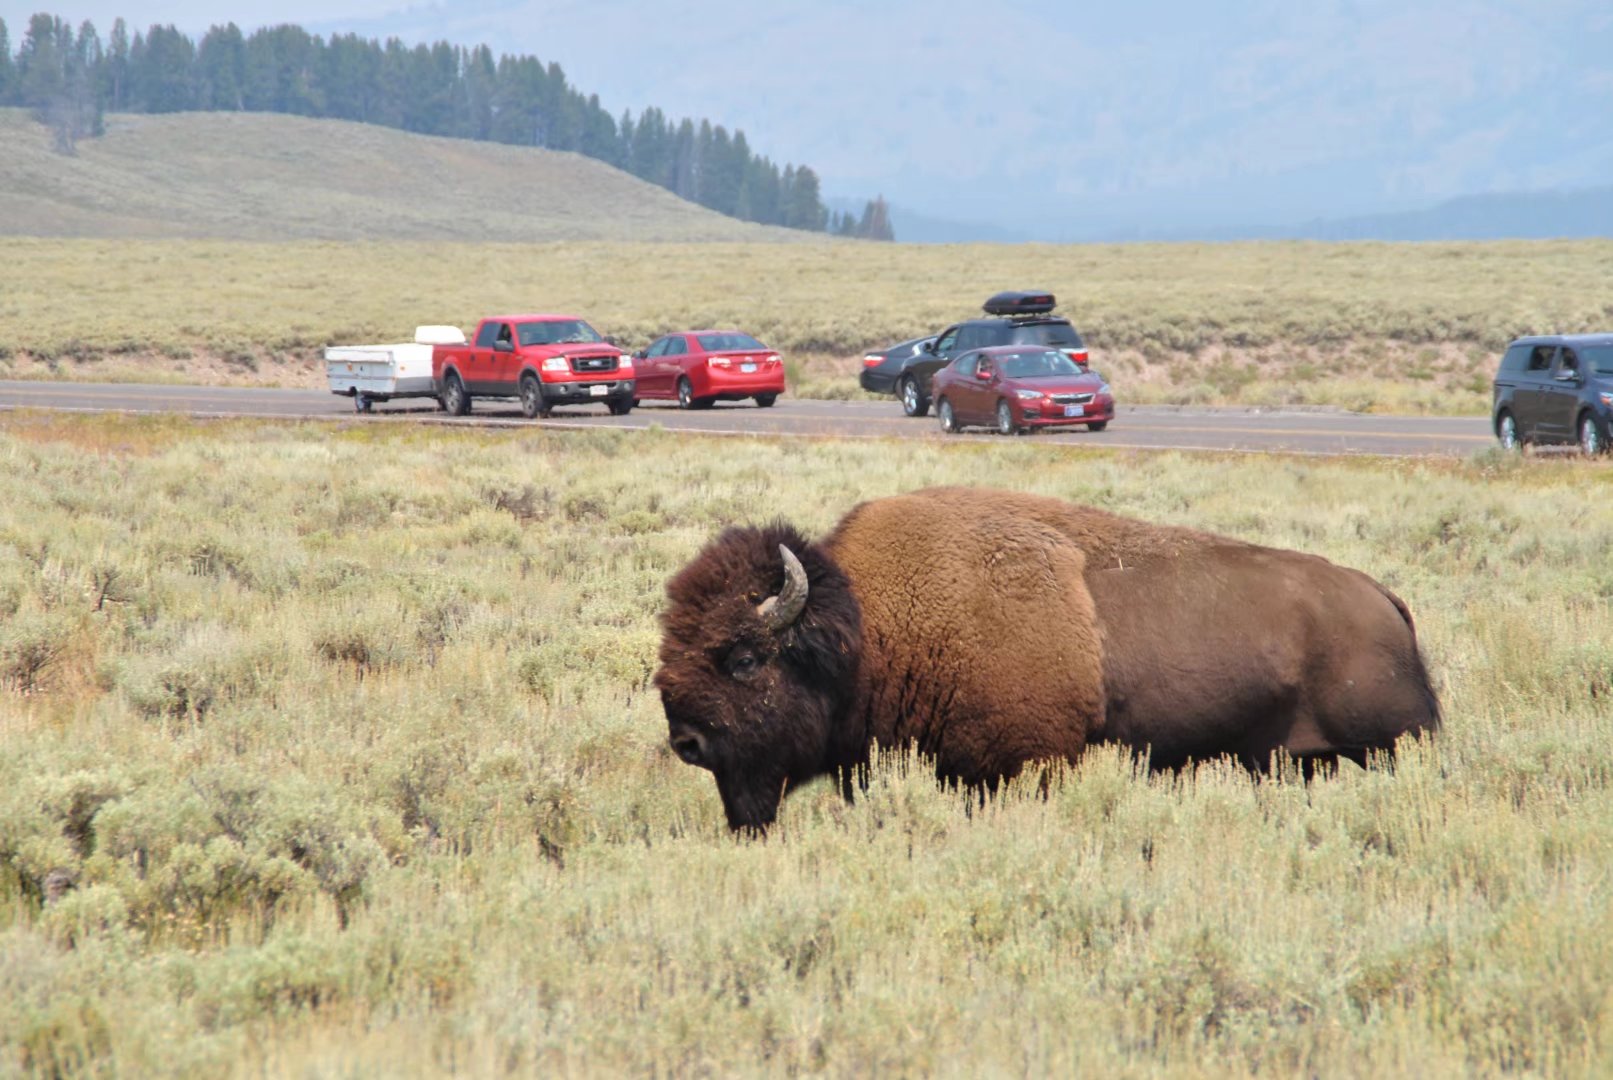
(542, 360)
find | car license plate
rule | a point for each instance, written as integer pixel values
(747, 367)
(598, 391)
(1075, 410)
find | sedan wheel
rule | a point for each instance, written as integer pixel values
(949, 421)
(685, 394)
(1005, 419)
(1506, 430)
(1590, 436)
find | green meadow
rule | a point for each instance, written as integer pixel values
(330, 750)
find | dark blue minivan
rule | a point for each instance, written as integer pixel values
(1555, 389)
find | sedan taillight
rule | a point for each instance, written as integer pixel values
(873, 359)
(719, 362)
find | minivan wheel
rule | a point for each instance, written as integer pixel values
(1506, 430)
(913, 403)
(949, 421)
(1590, 436)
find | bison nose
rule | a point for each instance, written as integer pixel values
(690, 746)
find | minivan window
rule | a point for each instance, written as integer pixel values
(1058, 335)
(1598, 358)
(1516, 359)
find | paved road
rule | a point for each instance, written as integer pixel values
(1138, 427)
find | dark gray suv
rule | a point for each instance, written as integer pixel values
(1556, 389)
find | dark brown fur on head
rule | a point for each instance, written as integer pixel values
(762, 709)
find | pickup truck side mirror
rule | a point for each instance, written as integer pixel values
(610, 340)
(639, 355)
(503, 346)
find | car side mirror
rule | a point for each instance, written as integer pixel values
(929, 347)
(503, 346)
(639, 355)
(1568, 376)
(983, 376)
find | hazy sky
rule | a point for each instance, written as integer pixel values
(1089, 113)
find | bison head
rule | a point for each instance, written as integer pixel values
(759, 650)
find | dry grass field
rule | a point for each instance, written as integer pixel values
(1408, 327)
(319, 756)
(264, 177)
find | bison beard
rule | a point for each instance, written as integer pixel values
(993, 629)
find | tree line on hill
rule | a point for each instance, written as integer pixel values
(69, 80)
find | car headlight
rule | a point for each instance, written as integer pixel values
(1028, 395)
(1103, 388)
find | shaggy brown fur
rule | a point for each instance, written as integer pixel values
(994, 629)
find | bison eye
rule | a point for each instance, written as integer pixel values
(743, 665)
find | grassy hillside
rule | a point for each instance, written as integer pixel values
(330, 751)
(254, 176)
(1367, 325)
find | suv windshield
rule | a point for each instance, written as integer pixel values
(1032, 365)
(558, 332)
(728, 342)
(1058, 334)
(1597, 358)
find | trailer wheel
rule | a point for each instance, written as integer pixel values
(362, 403)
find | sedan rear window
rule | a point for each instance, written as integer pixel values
(1059, 335)
(728, 342)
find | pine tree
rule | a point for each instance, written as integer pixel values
(8, 70)
(876, 222)
(114, 75)
(221, 69)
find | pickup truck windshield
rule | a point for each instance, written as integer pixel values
(559, 332)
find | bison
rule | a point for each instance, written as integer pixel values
(992, 629)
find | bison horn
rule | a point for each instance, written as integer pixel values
(782, 610)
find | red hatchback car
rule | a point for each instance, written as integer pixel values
(697, 368)
(1017, 388)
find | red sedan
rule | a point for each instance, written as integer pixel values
(697, 368)
(1017, 388)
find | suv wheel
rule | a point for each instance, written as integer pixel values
(913, 403)
(1506, 430)
(1590, 436)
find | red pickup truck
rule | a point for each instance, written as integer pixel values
(544, 360)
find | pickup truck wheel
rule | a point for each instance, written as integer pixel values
(685, 394)
(455, 402)
(765, 401)
(620, 408)
(532, 397)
